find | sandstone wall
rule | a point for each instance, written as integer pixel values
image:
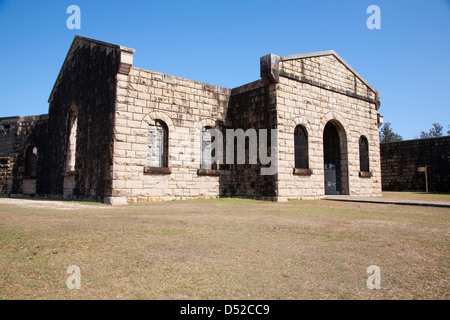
(115, 103)
(311, 92)
(185, 106)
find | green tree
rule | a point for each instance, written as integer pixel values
(388, 135)
(448, 132)
(436, 131)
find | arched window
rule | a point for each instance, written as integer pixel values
(72, 140)
(31, 162)
(158, 145)
(301, 148)
(207, 152)
(205, 155)
(363, 154)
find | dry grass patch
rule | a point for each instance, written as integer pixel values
(423, 196)
(223, 249)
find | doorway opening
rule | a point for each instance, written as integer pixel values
(335, 159)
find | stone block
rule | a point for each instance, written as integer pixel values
(115, 201)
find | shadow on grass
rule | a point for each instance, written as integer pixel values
(56, 199)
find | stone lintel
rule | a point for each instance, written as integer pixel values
(157, 170)
(208, 172)
(302, 172)
(364, 174)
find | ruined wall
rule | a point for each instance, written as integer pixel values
(8, 134)
(312, 91)
(400, 160)
(185, 106)
(252, 106)
(24, 133)
(5, 176)
(88, 83)
(9, 127)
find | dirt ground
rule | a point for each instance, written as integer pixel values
(223, 249)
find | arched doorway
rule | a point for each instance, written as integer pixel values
(335, 159)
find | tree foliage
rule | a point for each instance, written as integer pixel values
(436, 131)
(388, 135)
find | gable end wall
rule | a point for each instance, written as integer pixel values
(311, 92)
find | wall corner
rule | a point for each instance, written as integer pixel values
(126, 59)
(269, 65)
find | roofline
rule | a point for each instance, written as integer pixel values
(77, 38)
(106, 44)
(416, 139)
(327, 53)
(10, 118)
(40, 116)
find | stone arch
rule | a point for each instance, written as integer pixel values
(364, 151)
(31, 155)
(206, 122)
(290, 127)
(363, 132)
(30, 172)
(302, 122)
(158, 115)
(72, 128)
(340, 125)
(169, 128)
(198, 127)
(333, 116)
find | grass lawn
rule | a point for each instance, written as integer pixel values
(223, 249)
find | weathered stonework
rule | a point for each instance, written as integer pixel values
(22, 134)
(86, 85)
(313, 90)
(105, 115)
(186, 106)
(400, 162)
(252, 106)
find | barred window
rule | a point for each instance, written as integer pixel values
(363, 154)
(207, 153)
(158, 145)
(301, 148)
(31, 161)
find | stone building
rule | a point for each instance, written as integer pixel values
(117, 133)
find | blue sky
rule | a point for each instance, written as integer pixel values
(220, 42)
